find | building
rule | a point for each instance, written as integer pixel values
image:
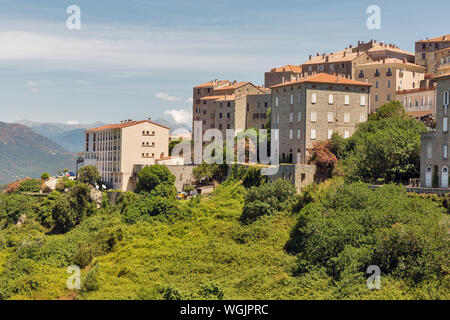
(344, 61)
(230, 105)
(279, 75)
(121, 150)
(388, 76)
(434, 162)
(443, 61)
(311, 109)
(426, 52)
(419, 103)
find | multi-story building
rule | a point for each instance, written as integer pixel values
(230, 105)
(344, 61)
(388, 76)
(311, 109)
(443, 61)
(419, 103)
(279, 75)
(426, 52)
(121, 150)
(434, 162)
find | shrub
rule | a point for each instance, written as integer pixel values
(83, 256)
(45, 176)
(30, 185)
(92, 281)
(150, 177)
(146, 207)
(90, 175)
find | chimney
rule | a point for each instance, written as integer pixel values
(345, 53)
(359, 43)
(444, 38)
(350, 46)
(327, 59)
(404, 60)
(323, 56)
(149, 119)
(318, 54)
(310, 56)
(384, 60)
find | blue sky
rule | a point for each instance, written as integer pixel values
(138, 59)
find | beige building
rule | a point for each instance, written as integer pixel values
(230, 105)
(427, 51)
(344, 61)
(279, 75)
(419, 103)
(434, 145)
(311, 109)
(121, 150)
(388, 76)
(443, 61)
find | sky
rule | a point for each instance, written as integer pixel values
(139, 59)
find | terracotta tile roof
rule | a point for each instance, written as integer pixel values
(421, 113)
(444, 38)
(212, 97)
(212, 83)
(334, 57)
(228, 97)
(391, 61)
(382, 47)
(288, 68)
(417, 90)
(325, 78)
(231, 86)
(443, 50)
(123, 125)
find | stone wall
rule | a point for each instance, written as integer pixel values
(183, 175)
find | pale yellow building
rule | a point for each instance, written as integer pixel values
(388, 76)
(311, 109)
(443, 61)
(279, 75)
(121, 150)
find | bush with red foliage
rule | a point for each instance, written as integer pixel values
(13, 186)
(323, 158)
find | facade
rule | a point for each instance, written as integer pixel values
(434, 164)
(279, 75)
(311, 109)
(344, 61)
(443, 61)
(121, 150)
(419, 103)
(388, 76)
(426, 52)
(230, 105)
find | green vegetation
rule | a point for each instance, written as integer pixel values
(45, 176)
(259, 241)
(90, 175)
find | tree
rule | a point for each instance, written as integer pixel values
(323, 159)
(338, 145)
(393, 109)
(30, 185)
(45, 176)
(388, 148)
(90, 175)
(150, 177)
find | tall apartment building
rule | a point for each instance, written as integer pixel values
(344, 61)
(388, 76)
(311, 109)
(279, 75)
(434, 145)
(230, 105)
(443, 61)
(121, 150)
(426, 52)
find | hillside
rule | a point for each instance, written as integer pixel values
(23, 152)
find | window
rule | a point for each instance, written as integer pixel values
(330, 99)
(445, 152)
(330, 116)
(389, 83)
(346, 134)
(290, 134)
(363, 100)
(376, 97)
(299, 98)
(278, 118)
(313, 98)
(446, 98)
(429, 151)
(276, 101)
(362, 117)
(291, 117)
(330, 133)
(299, 117)
(313, 117)
(298, 134)
(228, 115)
(445, 124)
(346, 100)
(346, 117)
(292, 99)
(220, 115)
(377, 84)
(313, 134)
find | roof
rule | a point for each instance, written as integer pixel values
(421, 113)
(431, 88)
(231, 86)
(212, 97)
(325, 78)
(385, 47)
(444, 38)
(124, 125)
(391, 61)
(288, 68)
(212, 83)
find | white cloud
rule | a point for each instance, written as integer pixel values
(72, 122)
(166, 97)
(179, 116)
(189, 100)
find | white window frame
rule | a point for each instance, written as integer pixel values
(346, 117)
(330, 117)
(313, 116)
(362, 101)
(299, 117)
(313, 134)
(347, 100)
(313, 98)
(330, 99)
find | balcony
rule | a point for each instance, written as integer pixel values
(361, 75)
(376, 74)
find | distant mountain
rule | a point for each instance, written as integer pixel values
(71, 136)
(23, 153)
